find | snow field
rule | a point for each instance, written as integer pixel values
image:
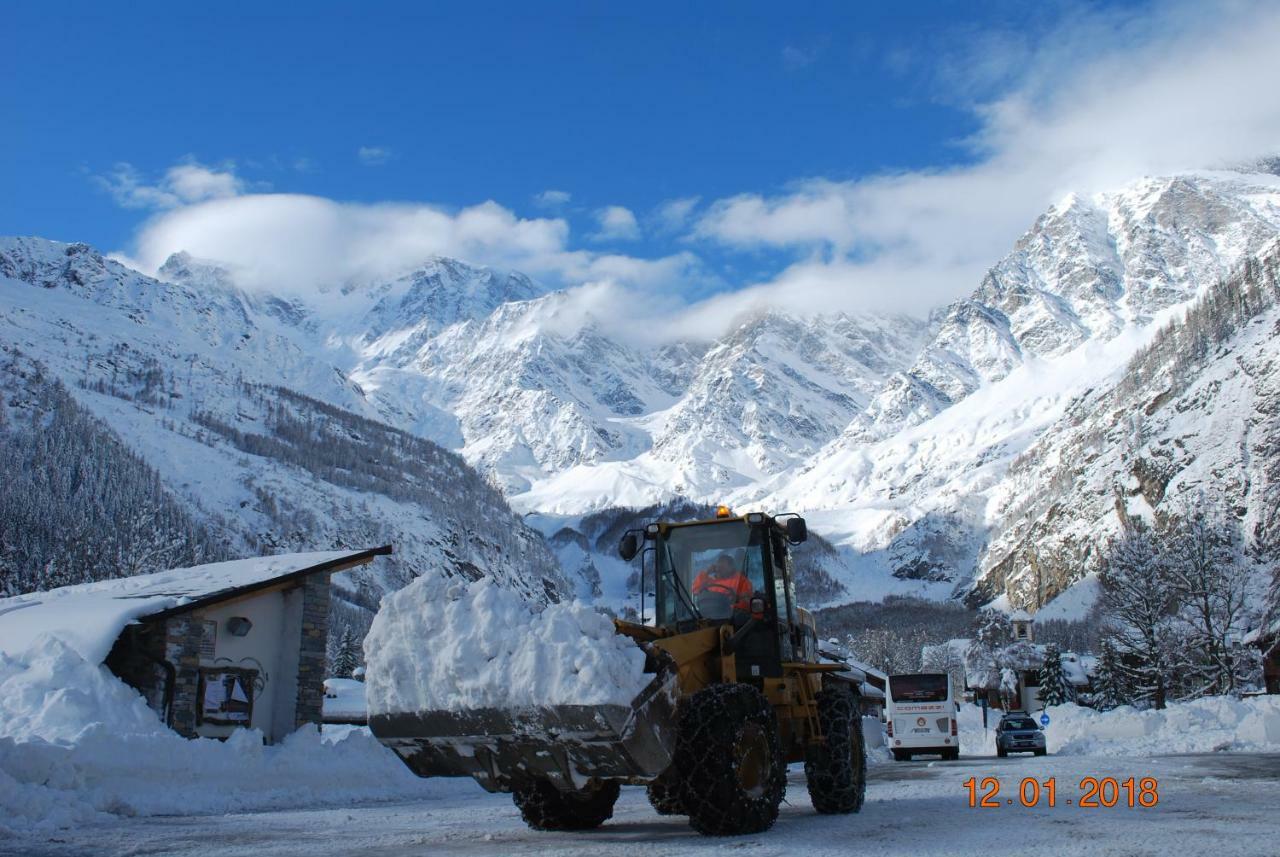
(441, 644)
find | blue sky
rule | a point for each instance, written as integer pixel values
(740, 142)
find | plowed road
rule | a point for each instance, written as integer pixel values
(1221, 804)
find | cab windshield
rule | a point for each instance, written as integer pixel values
(708, 570)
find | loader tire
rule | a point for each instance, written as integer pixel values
(836, 769)
(732, 773)
(664, 793)
(544, 807)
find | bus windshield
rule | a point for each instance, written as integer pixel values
(926, 687)
(703, 570)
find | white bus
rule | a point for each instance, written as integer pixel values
(920, 716)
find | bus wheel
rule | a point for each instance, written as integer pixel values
(836, 769)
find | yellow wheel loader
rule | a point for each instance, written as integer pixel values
(739, 691)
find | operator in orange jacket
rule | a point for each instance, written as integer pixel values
(722, 582)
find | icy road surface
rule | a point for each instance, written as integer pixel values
(1224, 804)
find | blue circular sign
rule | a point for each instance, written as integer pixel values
(1044, 719)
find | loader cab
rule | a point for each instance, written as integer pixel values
(693, 589)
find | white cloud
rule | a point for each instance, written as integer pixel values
(1105, 100)
(373, 156)
(797, 57)
(673, 215)
(552, 198)
(297, 243)
(616, 223)
(182, 184)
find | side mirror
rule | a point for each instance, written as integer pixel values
(629, 547)
(797, 530)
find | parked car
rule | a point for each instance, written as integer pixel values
(1018, 732)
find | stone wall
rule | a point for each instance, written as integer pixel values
(137, 658)
(182, 639)
(311, 657)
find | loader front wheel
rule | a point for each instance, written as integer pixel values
(836, 769)
(664, 793)
(732, 773)
(544, 807)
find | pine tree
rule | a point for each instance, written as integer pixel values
(347, 658)
(1054, 689)
(1107, 692)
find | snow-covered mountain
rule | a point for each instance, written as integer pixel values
(1194, 417)
(266, 444)
(900, 438)
(912, 484)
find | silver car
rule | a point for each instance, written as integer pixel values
(1018, 732)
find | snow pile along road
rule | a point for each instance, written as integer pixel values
(441, 644)
(76, 743)
(1212, 724)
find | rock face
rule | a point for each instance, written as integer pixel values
(1186, 422)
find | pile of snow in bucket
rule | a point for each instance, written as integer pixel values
(441, 644)
(1212, 724)
(78, 745)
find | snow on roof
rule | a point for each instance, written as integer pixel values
(90, 616)
(1078, 668)
(1074, 602)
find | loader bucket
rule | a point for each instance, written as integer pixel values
(567, 744)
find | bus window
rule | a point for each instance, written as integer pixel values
(919, 688)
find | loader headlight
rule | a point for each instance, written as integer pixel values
(755, 518)
(757, 607)
(651, 530)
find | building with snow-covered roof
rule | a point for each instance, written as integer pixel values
(211, 648)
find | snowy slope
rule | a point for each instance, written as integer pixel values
(1156, 438)
(232, 399)
(910, 484)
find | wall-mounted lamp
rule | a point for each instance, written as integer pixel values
(238, 626)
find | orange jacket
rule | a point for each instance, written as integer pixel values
(736, 584)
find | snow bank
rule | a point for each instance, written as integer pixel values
(1204, 725)
(1213, 724)
(344, 699)
(445, 644)
(77, 744)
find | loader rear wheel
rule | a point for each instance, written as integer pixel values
(544, 807)
(836, 769)
(732, 773)
(664, 793)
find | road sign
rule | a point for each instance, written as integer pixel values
(1044, 719)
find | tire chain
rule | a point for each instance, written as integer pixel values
(710, 722)
(544, 807)
(664, 793)
(836, 773)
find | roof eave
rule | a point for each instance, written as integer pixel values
(333, 566)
